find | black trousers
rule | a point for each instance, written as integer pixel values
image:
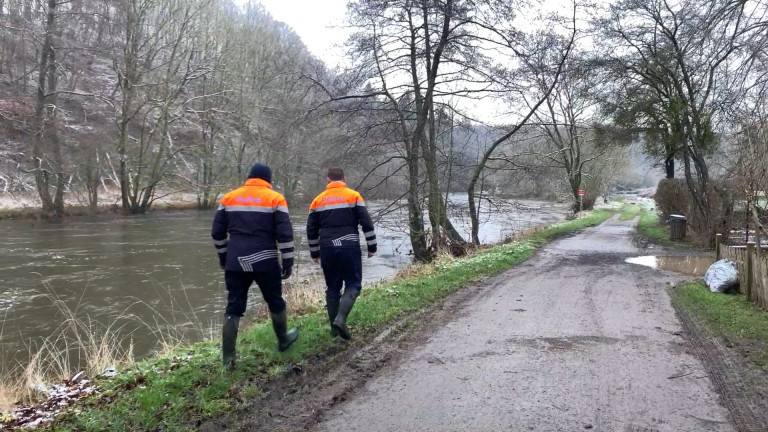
(341, 266)
(238, 283)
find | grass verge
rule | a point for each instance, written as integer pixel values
(629, 212)
(731, 317)
(650, 228)
(179, 390)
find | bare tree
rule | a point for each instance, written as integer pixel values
(575, 139)
(548, 47)
(691, 56)
(46, 149)
(155, 64)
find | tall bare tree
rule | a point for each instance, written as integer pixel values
(691, 56)
(46, 155)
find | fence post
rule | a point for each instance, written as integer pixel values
(718, 242)
(750, 272)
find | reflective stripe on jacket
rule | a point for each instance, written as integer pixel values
(334, 217)
(256, 219)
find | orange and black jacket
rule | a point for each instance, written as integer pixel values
(256, 219)
(334, 217)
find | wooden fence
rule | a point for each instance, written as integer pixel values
(753, 269)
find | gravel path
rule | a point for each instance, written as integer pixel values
(575, 339)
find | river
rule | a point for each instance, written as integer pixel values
(159, 271)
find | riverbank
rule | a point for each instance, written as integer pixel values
(158, 274)
(186, 386)
(81, 211)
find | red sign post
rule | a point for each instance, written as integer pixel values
(582, 192)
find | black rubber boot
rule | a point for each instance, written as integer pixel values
(345, 306)
(333, 310)
(284, 338)
(229, 340)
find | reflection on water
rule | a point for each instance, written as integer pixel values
(688, 265)
(161, 271)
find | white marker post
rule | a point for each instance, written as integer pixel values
(581, 200)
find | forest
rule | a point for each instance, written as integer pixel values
(125, 102)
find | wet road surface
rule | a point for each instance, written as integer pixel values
(575, 339)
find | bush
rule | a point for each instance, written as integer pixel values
(674, 197)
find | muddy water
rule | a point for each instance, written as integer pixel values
(688, 265)
(160, 271)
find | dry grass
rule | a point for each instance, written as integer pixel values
(80, 343)
(301, 295)
(10, 389)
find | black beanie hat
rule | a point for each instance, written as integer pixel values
(260, 171)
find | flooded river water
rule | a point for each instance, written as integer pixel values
(148, 272)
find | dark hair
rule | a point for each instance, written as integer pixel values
(335, 174)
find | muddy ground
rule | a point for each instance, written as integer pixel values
(574, 339)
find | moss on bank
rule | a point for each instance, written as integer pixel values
(177, 391)
(739, 323)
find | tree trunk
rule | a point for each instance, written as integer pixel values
(415, 215)
(443, 231)
(46, 152)
(92, 176)
(575, 183)
(669, 167)
(473, 216)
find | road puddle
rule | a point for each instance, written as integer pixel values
(688, 265)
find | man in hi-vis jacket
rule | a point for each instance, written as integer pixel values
(256, 220)
(334, 241)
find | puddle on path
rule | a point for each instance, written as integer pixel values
(688, 265)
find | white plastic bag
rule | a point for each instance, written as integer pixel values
(722, 276)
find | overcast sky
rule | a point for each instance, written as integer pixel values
(321, 26)
(318, 22)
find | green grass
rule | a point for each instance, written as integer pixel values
(629, 212)
(730, 317)
(649, 227)
(177, 390)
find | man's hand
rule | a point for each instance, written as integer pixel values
(316, 260)
(371, 254)
(287, 271)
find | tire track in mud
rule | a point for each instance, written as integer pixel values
(587, 352)
(725, 371)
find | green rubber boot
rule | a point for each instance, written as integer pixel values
(284, 338)
(229, 340)
(333, 309)
(345, 306)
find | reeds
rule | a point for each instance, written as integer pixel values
(80, 343)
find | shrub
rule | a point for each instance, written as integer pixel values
(674, 197)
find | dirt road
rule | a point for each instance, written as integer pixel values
(575, 339)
